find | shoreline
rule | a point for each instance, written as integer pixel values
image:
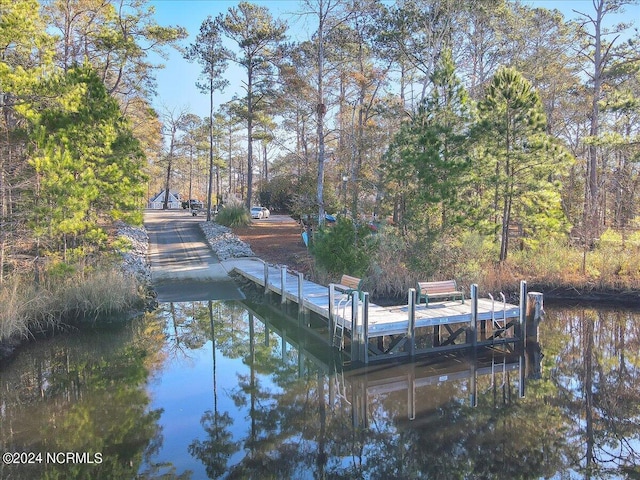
(227, 246)
(133, 263)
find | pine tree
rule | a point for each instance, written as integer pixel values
(257, 34)
(87, 163)
(431, 152)
(517, 162)
(212, 56)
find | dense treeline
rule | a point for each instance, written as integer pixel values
(477, 133)
(485, 132)
(75, 86)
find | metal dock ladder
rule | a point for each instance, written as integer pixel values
(339, 320)
(498, 326)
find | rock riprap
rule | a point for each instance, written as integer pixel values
(134, 260)
(224, 243)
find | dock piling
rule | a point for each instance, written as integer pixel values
(411, 331)
(331, 316)
(535, 311)
(355, 328)
(266, 277)
(364, 349)
(533, 352)
(474, 314)
(520, 331)
(300, 292)
(283, 283)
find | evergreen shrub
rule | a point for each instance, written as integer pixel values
(344, 248)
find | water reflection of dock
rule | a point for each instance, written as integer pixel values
(367, 332)
(425, 387)
(417, 388)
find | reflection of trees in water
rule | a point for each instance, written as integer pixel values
(215, 450)
(581, 416)
(596, 369)
(84, 393)
(187, 327)
(296, 425)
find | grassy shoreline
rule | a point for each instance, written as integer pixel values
(30, 311)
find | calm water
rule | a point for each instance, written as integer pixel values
(212, 390)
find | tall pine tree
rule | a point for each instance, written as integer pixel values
(518, 164)
(430, 153)
(87, 163)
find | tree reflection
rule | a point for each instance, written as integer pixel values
(294, 418)
(294, 427)
(214, 452)
(288, 414)
(84, 393)
(599, 385)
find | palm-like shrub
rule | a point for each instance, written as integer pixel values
(234, 215)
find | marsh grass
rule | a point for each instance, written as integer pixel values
(29, 309)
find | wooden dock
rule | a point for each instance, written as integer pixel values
(370, 332)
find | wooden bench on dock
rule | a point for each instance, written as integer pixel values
(349, 284)
(442, 289)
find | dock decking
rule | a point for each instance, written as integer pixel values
(378, 332)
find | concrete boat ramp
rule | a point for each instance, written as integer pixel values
(369, 332)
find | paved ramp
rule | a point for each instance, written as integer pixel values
(183, 267)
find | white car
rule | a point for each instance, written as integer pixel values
(260, 212)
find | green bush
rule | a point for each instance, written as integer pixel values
(344, 248)
(234, 215)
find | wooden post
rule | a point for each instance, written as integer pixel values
(520, 331)
(283, 282)
(364, 351)
(332, 318)
(355, 334)
(266, 277)
(300, 292)
(411, 332)
(535, 313)
(474, 315)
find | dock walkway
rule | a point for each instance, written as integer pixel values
(378, 332)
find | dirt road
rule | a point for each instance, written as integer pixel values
(277, 240)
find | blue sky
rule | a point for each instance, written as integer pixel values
(176, 82)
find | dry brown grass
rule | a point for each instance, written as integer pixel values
(28, 309)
